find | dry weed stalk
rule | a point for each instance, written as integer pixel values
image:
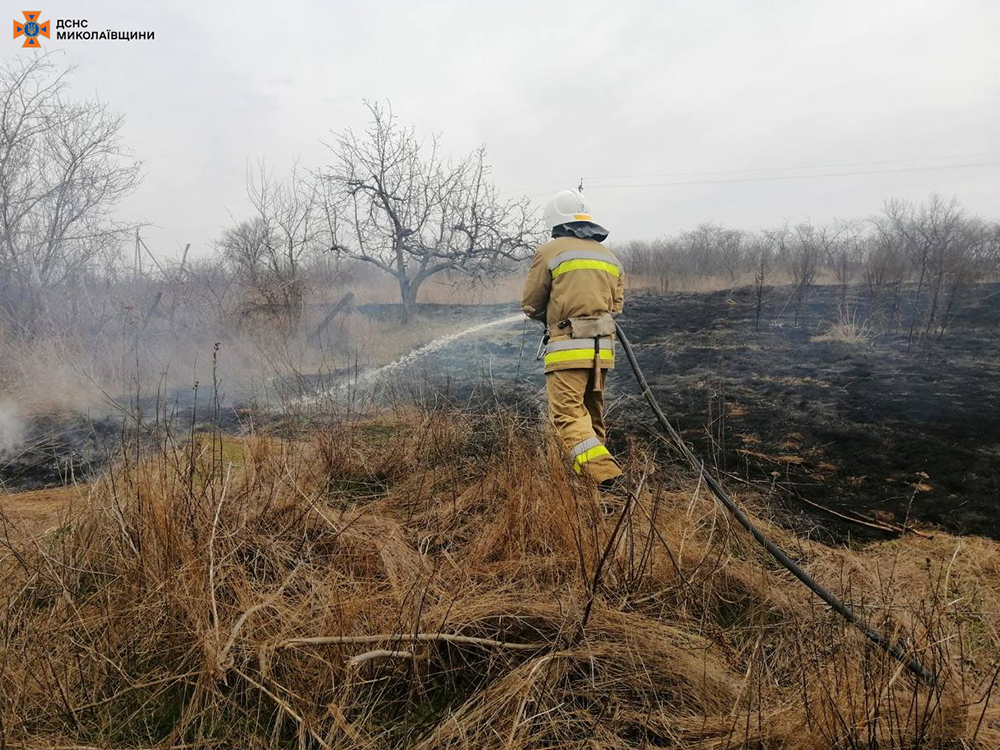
(418, 579)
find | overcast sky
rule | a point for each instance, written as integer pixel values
(622, 93)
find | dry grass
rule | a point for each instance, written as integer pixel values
(442, 289)
(704, 283)
(167, 613)
(848, 329)
(457, 290)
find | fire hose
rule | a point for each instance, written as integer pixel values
(880, 640)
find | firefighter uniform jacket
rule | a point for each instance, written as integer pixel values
(571, 277)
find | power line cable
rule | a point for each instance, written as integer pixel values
(591, 180)
(800, 168)
(775, 178)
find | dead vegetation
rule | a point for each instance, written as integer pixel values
(849, 328)
(429, 579)
(920, 264)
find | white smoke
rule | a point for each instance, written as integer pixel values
(11, 427)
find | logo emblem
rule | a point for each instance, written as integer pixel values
(31, 28)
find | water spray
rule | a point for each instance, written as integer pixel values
(373, 375)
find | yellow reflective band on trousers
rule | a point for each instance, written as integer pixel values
(567, 355)
(580, 460)
(583, 264)
(576, 410)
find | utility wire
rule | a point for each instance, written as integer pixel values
(765, 178)
(800, 168)
(799, 176)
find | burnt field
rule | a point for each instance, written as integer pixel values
(862, 427)
(62, 448)
(857, 427)
(816, 425)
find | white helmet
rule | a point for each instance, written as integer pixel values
(566, 206)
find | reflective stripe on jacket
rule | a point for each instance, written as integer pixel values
(571, 277)
(569, 353)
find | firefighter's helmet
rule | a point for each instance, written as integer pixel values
(567, 206)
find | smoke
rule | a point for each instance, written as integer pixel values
(11, 427)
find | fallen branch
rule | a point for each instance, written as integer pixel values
(314, 337)
(872, 524)
(857, 518)
(379, 654)
(410, 638)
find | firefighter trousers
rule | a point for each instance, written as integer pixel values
(577, 413)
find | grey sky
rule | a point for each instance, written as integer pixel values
(637, 90)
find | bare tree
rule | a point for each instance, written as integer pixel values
(991, 249)
(649, 259)
(761, 255)
(638, 257)
(884, 262)
(244, 247)
(964, 263)
(930, 232)
(843, 248)
(266, 250)
(731, 251)
(802, 255)
(700, 246)
(63, 169)
(399, 205)
(665, 257)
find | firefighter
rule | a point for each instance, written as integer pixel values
(573, 287)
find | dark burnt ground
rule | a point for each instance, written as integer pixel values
(855, 427)
(59, 449)
(68, 447)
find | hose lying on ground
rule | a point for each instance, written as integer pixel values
(897, 651)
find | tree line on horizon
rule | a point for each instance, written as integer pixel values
(389, 203)
(934, 249)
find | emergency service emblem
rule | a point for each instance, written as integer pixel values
(31, 28)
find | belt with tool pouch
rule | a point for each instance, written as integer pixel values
(596, 328)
